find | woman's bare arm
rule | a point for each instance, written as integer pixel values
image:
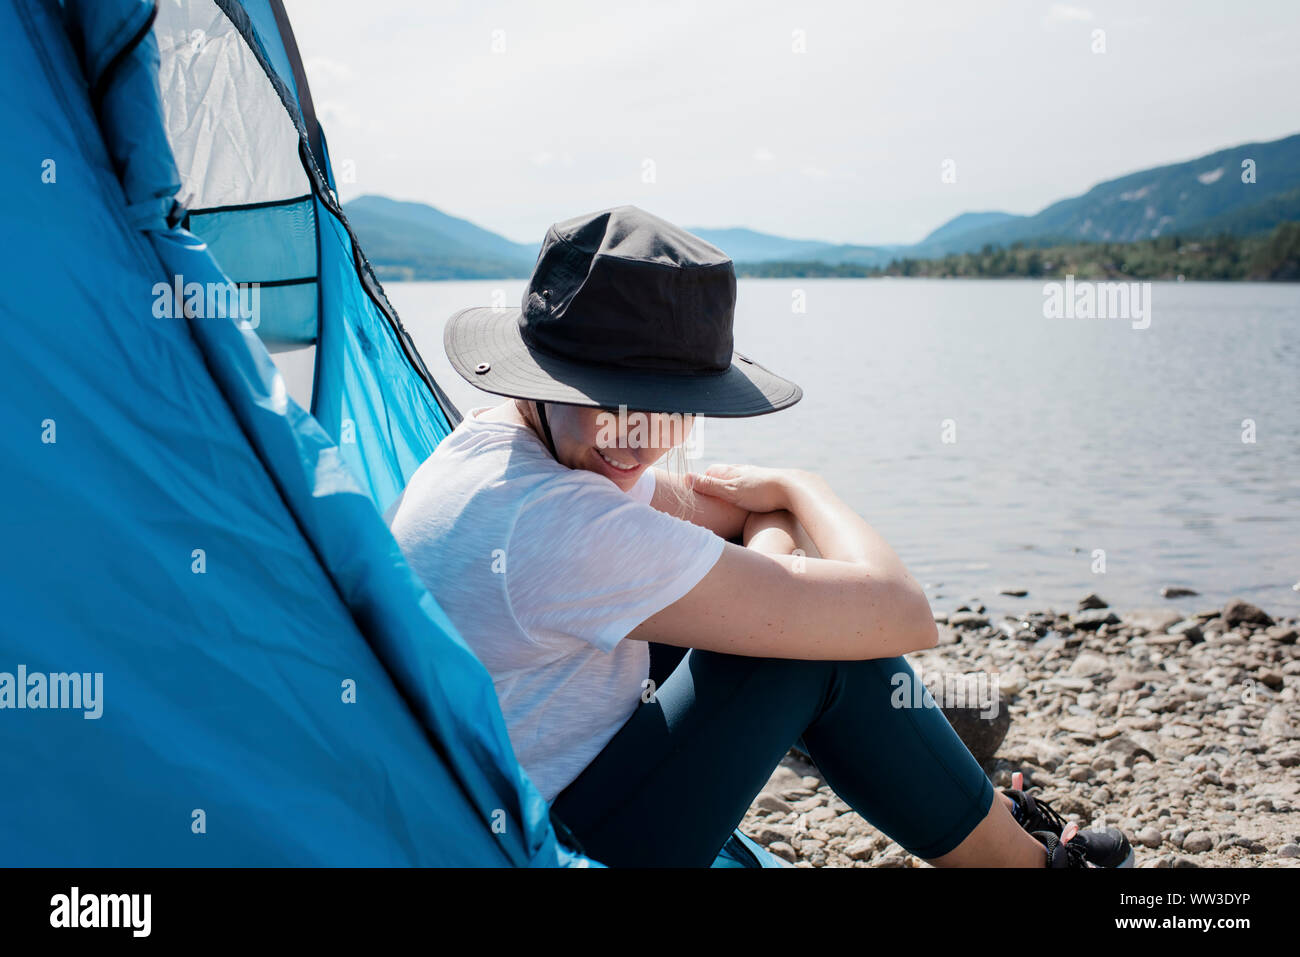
(721, 517)
(855, 601)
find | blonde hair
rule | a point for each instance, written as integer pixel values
(675, 463)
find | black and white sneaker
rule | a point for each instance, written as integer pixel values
(1064, 850)
(1101, 846)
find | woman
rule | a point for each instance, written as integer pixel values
(563, 557)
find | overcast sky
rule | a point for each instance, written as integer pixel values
(518, 114)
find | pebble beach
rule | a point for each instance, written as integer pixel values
(1183, 731)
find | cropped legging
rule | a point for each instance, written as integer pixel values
(677, 778)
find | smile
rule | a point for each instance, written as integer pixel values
(618, 465)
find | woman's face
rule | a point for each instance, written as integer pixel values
(619, 445)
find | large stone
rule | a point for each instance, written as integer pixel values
(1238, 612)
(967, 619)
(1092, 601)
(981, 735)
(772, 802)
(1093, 619)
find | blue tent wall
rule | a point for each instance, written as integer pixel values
(371, 392)
(173, 441)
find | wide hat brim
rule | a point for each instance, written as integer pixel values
(485, 346)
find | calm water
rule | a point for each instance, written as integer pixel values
(1071, 434)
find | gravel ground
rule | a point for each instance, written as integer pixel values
(1183, 732)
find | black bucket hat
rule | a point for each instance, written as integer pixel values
(622, 309)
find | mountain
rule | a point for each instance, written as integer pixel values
(746, 245)
(415, 241)
(963, 224)
(1200, 197)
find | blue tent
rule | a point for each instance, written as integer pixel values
(212, 651)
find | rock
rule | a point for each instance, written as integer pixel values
(771, 833)
(1289, 850)
(782, 850)
(1149, 837)
(1188, 628)
(941, 618)
(1276, 728)
(782, 779)
(840, 826)
(1094, 619)
(1154, 620)
(1251, 846)
(821, 815)
(1272, 679)
(770, 802)
(1125, 750)
(807, 804)
(967, 619)
(860, 850)
(1286, 634)
(1092, 601)
(982, 736)
(1176, 591)
(1198, 842)
(1238, 612)
(1088, 664)
(1014, 592)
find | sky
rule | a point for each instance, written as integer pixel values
(821, 120)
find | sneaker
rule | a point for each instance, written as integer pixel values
(1103, 846)
(1063, 850)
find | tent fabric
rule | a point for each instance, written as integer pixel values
(262, 199)
(275, 686)
(175, 524)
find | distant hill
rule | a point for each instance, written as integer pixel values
(962, 225)
(1198, 197)
(1201, 197)
(415, 241)
(746, 245)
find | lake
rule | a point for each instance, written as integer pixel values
(994, 447)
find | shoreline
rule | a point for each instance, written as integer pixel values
(1182, 731)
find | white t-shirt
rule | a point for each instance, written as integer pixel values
(544, 569)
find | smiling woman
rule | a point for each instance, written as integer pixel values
(562, 555)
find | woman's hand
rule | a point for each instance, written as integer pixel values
(751, 487)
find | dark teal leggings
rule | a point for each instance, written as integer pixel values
(677, 778)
